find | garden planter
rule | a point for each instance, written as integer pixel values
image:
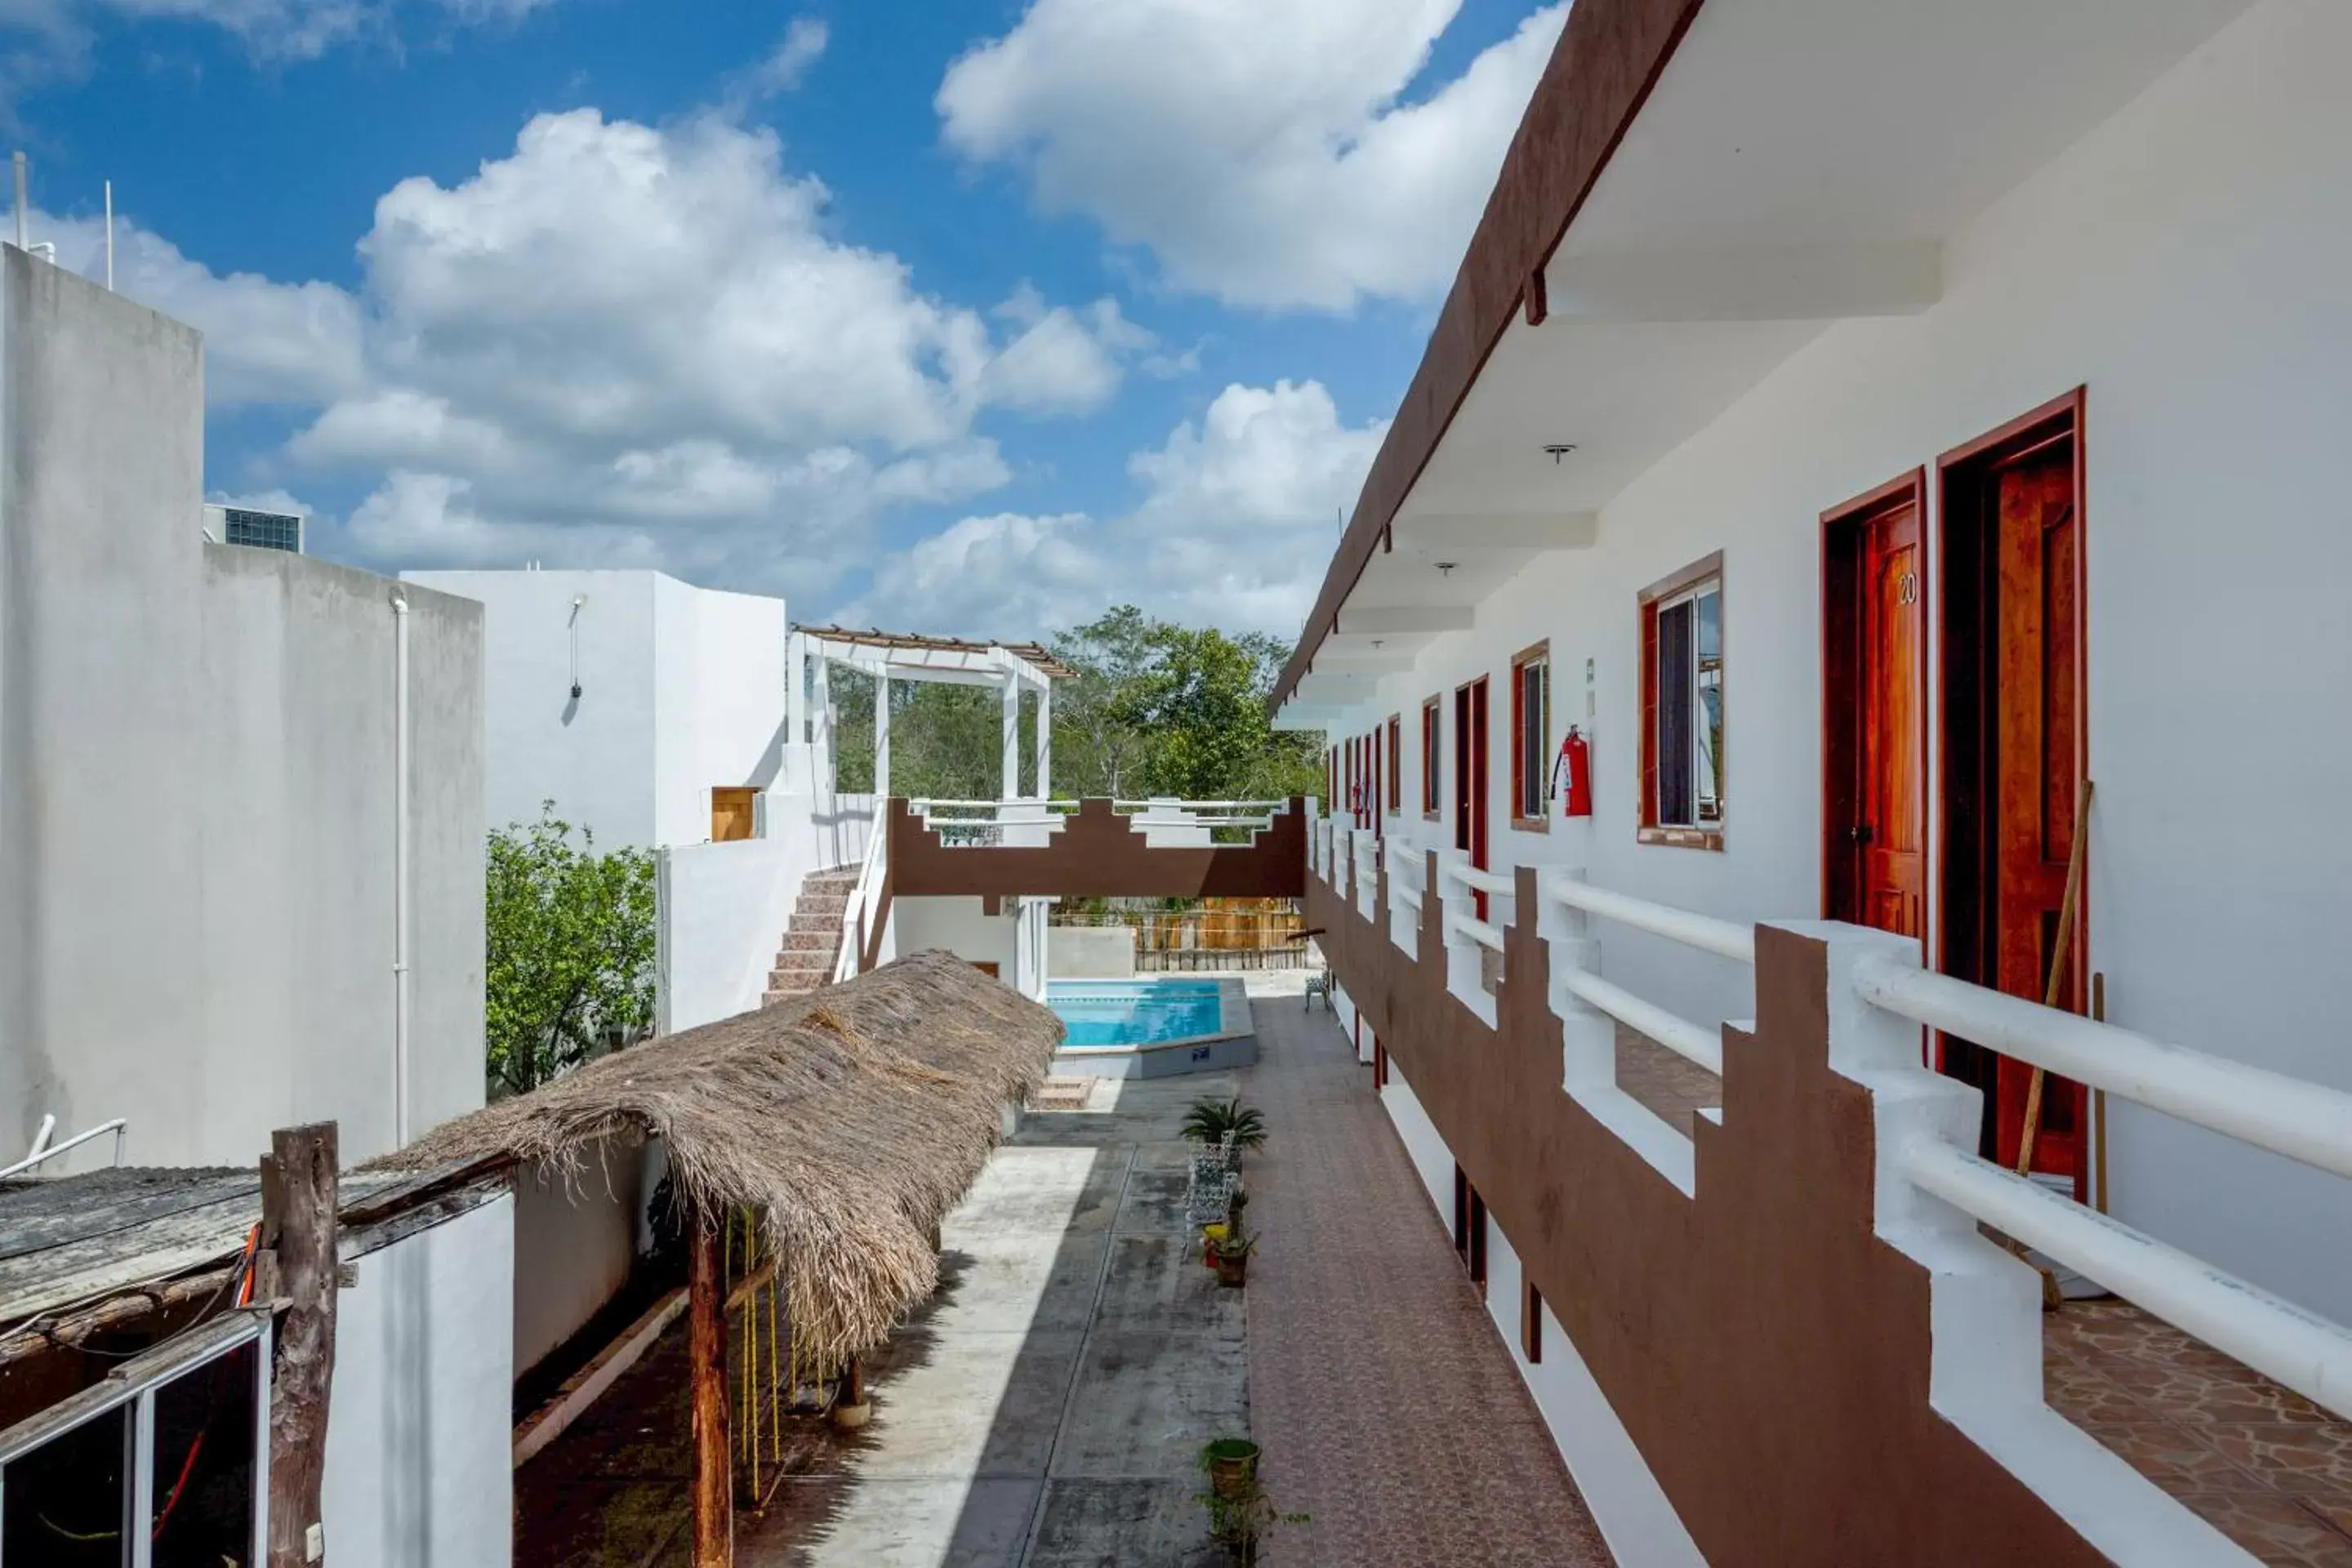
(1232, 1468)
(1232, 1273)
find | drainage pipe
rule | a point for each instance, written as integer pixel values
(400, 870)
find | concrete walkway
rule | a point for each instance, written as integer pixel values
(1387, 1406)
(1048, 1407)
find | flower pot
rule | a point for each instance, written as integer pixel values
(1232, 1273)
(1233, 1466)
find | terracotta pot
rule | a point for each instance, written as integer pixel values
(1230, 1473)
(1233, 1272)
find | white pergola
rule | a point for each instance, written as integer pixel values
(1011, 667)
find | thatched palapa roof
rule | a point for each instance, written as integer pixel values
(850, 1120)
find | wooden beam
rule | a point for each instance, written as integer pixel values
(298, 1232)
(714, 1499)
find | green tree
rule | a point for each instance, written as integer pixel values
(572, 943)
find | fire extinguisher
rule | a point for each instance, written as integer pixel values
(1574, 770)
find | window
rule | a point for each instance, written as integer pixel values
(1429, 758)
(1396, 762)
(1531, 1325)
(174, 1455)
(1530, 737)
(1681, 707)
(264, 529)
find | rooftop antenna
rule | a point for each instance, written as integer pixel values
(109, 237)
(24, 233)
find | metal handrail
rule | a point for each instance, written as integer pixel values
(1702, 931)
(40, 1155)
(2305, 1121)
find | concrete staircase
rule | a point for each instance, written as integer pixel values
(812, 940)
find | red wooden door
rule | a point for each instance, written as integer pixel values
(1470, 771)
(2038, 715)
(1892, 829)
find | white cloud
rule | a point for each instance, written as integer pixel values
(41, 39)
(801, 47)
(1262, 151)
(627, 345)
(1239, 515)
(264, 341)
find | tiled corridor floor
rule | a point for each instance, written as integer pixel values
(2270, 1469)
(1385, 1403)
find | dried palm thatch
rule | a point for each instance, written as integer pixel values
(850, 1121)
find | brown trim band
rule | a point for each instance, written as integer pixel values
(1608, 56)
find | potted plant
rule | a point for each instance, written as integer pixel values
(1232, 1260)
(1230, 1464)
(1209, 1121)
(1211, 1235)
(1241, 1521)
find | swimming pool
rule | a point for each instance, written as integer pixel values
(1137, 1012)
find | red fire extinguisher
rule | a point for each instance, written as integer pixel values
(1574, 769)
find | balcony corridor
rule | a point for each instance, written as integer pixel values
(1384, 1400)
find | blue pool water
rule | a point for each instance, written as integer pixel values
(1135, 1011)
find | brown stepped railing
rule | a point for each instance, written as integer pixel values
(1791, 1308)
(1032, 850)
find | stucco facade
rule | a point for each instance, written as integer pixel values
(201, 860)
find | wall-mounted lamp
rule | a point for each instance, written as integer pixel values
(578, 601)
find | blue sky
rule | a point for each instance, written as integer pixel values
(973, 317)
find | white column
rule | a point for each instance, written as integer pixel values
(796, 700)
(1011, 707)
(821, 730)
(881, 732)
(1045, 739)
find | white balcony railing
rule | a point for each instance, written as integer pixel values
(2304, 1122)
(1407, 869)
(1365, 848)
(1932, 1190)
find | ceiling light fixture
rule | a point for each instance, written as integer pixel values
(1445, 568)
(1559, 449)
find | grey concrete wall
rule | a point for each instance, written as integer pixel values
(296, 709)
(197, 844)
(101, 470)
(1089, 953)
(575, 1238)
(420, 1463)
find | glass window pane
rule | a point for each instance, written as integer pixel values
(65, 1499)
(204, 1465)
(1674, 741)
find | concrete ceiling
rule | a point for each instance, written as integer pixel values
(1801, 161)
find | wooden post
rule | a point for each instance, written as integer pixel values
(714, 1499)
(298, 1229)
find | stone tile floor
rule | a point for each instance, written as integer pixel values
(1387, 1406)
(2267, 1468)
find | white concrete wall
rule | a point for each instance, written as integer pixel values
(591, 756)
(575, 1238)
(721, 717)
(724, 907)
(2182, 261)
(420, 1464)
(1089, 953)
(196, 790)
(959, 926)
(682, 688)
